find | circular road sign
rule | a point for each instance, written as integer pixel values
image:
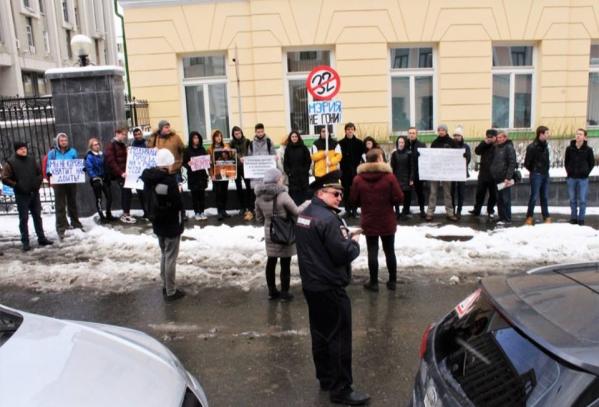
(323, 83)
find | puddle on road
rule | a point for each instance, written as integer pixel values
(450, 238)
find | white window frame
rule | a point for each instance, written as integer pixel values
(29, 33)
(592, 69)
(412, 73)
(512, 71)
(46, 37)
(291, 76)
(204, 82)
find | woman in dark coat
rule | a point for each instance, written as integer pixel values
(376, 191)
(401, 164)
(272, 187)
(197, 181)
(296, 163)
(246, 198)
(220, 187)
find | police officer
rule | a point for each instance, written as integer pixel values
(325, 250)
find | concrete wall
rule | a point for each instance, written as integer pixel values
(360, 35)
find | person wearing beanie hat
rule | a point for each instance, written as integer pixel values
(272, 198)
(442, 141)
(166, 213)
(485, 182)
(325, 251)
(164, 137)
(458, 187)
(22, 173)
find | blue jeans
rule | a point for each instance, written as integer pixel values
(578, 190)
(539, 187)
(504, 204)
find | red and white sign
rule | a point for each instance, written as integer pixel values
(466, 306)
(323, 83)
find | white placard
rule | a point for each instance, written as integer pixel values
(325, 112)
(254, 166)
(66, 171)
(138, 159)
(442, 164)
(199, 162)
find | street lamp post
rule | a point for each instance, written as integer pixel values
(81, 46)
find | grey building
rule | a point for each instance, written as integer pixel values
(35, 35)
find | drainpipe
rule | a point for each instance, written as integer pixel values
(116, 11)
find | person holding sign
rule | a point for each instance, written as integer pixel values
(458, 187)
(246, 198)
(352, 149)
(98, 178)
(442, 141)
(220, 186)
(164, 137)
(502, 170)
(197, 181)
(23, 174)
(65, 195)
(414, 145)
(325, 161)
(140, 142)
(115, 155)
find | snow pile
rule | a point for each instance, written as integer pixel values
(117, 258)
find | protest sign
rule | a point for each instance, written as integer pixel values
(255, 166)
(325, 112)
(138, 159)
(442, 164)
(66, 171)
(199, 162)
(323, 82)
(7, 191)
(225, 165)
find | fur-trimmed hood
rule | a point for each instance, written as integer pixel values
(374, 167)
(268, 191)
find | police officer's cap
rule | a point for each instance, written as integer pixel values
(330, 180)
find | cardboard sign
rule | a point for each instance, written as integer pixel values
(225, 165)
(66, 171)
(442, 164)
(199, 162)
(255, 166)
(325, 112)
(7, 191)
(323, 83)
(138, 159)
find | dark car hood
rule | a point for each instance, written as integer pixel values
(557, 307)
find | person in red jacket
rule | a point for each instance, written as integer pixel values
(376, 190)
(115, 157)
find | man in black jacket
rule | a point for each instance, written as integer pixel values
(579, 163)
(325, 250)
(22, 173)
(536, 162)
(414, 144)
(164, 200)
(352, 149)
(485, 180)
(442, 141)
(502, 170)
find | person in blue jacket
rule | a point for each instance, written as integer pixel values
(98, 179)
(65, 195)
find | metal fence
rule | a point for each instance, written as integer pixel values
(137, 112)
(30, 120)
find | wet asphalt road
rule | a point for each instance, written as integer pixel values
(248, 351)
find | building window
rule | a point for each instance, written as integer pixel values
(65, 11)
(27, 4)
(46, 42)
(205, 83)
(412, 102)
(29, 31)
(41, 5)
(69, 50)
(299, 65)
(593, 105)
(512, 86)
(34, 84)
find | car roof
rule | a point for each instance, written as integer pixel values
(557, 307)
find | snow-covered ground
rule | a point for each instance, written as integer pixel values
(119, 258)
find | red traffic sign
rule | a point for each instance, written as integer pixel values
(323, 83)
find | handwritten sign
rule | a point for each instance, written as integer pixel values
(255, 166)
(7, 191)
(138, 159)
(225, 165)
(66, 171)
(325, 112)
(442, 164)
(199, 162)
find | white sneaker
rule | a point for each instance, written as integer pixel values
(128, 219)
(200, 216)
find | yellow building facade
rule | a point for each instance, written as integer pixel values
(477, 63)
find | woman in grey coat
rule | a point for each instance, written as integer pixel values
(266, 192)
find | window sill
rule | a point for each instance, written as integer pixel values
(29, 12)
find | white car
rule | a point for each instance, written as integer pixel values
(48, 362)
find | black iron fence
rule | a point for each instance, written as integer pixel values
(30, 120)
(137, 113)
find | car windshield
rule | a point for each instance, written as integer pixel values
(9, 323)
(491, 363)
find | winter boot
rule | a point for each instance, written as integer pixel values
(529, 221)
(547, 220)
(372, 286)
(26, 247)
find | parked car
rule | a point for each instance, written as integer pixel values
(525, 340)
(52, 362)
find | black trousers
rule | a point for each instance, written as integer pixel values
(126, 196)
(198, 200)
(65, 200)
(372, 244)
(246, 198)
(102, 187)
(419, 189)
(331, 331)
(298, 196)
(346, 191)
(221, 188)
(457, 196)
(271, 265)
(27, 203)
(482, 187)
(407, 198)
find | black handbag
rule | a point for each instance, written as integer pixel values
(282, 230)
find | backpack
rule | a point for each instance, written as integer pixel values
(155, 204)
(268, 146)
